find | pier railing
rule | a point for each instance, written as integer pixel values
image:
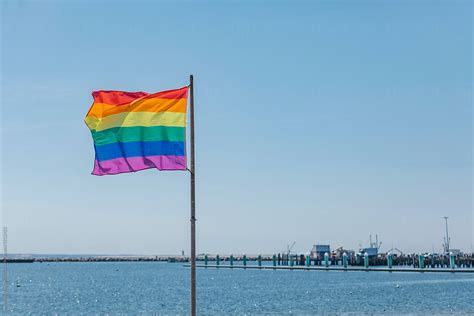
(418, 262)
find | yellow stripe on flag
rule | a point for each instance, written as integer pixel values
(127, 119)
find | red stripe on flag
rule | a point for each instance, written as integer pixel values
(122, 97)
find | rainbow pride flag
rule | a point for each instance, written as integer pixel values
(134, 131)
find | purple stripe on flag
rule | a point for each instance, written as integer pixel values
(132, 164)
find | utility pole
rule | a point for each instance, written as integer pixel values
(447, 240)
(5, 275)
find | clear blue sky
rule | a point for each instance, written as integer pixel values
(316, 122)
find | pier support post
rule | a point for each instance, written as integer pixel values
(326, 259)
(274, 260)
(366, 260)
(290, 257)
(452, 261)
(217, 260)
(231, 260)
(389, 260)
(308, 260)
(244, 259)
(344, 260)
(421, 261)
(206, 259)
(259, 259)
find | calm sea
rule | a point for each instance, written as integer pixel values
(163, 288)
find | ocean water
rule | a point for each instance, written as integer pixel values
(163, 288)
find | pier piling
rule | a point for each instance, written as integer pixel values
(326, 259)
(452, 261)
(421, 261)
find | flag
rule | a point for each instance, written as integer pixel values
(133, 131)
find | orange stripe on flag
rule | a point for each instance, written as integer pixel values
(100, 110)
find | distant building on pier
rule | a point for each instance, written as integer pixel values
(340, 251)
(456, 252)
(318, 251)
(371, 251)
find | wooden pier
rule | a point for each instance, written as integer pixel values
(411, 263)
(337, 268)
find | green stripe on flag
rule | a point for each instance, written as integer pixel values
(139, 133)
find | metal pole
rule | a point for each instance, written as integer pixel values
(5, 275)
(193, 201)
(447, 234)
